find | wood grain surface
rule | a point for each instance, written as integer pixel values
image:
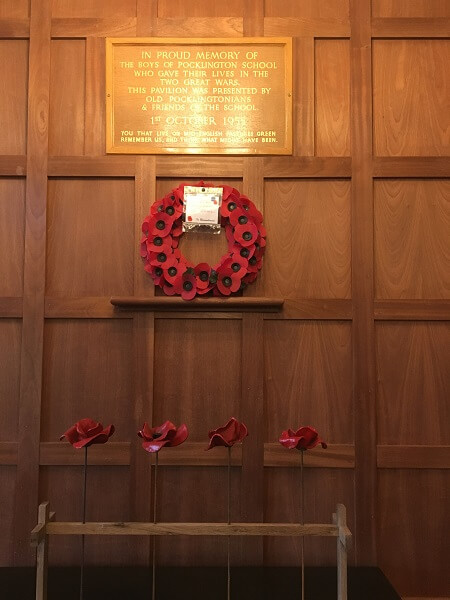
(410, 8)
(10, 349)
(332, 97)
(412, 221)
(413, 382)
(13, 96)
(407, 123)
(12, 236)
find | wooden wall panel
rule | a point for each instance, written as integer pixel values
(408, 123)
(316, 385)
(412, 223)
(413, 383)
(91, 228)
(12, 233)
(311, 9)
(13, 96)
(67, 100)
(410, 8)
(10, 338)
(203, 389)
(413, 543)
(96, 359)
(308, 225)
(14, 9)
(108, 499)
(332, 97)
(7, 497)
(199, 8)
(93, 8)
(323, 489)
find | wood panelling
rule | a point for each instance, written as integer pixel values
(282, 504)
(410, 8)
(13, 96)
(108, 497)
(331, 9)
(332, 97)
(308, 225)
(12, 233)
(412, 256)
(10, 338)
(14, 9)
(414, 546)
(7, 495)
(93, 8)
(359, 349)
(203, 389)
(408, 123)
(83, 350)
(199, 8)
(413, 383)
(316, 387)
(90, 228)
(66, 131)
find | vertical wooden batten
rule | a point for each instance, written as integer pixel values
(27, 482)
(363, 347)
(143, 323)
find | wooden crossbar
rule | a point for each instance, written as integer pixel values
(46, 527)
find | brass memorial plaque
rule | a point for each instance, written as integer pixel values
(199, 96)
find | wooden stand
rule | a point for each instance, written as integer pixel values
(45, 527)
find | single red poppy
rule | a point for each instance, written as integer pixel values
(304, 438)
(227, 281)
(227, 435)
(161, 224)
(157, 274)
(172, 269)
(166, 434)
(87, 432)
(246, 235)
(237, 264)
(230, 204)
(188, 286)
(156, 243)
(202, 272)
(240, 217)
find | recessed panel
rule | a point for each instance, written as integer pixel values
(413, 545)
(413, 383)
(12, 233)
(197, 377)
(93, 8)
(412, 224)
(411, 96)
(308, 252)
(10, 346)
(332, 97)
(88, 372)
(13, 96)
(200, 8)
(7, 496)
(90, 237)
(410, 8)
(308, 370)
(67, 97)
(310, 9)
(14, 9)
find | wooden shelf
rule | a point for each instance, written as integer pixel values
(172, 303)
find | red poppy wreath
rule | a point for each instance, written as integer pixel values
(172, 272)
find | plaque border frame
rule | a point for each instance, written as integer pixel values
(110, 42)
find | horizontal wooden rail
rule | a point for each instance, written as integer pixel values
(194, 529)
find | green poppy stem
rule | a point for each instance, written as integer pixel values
(302, 522)
(155, 489)
(84, 521)
(229, 521)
